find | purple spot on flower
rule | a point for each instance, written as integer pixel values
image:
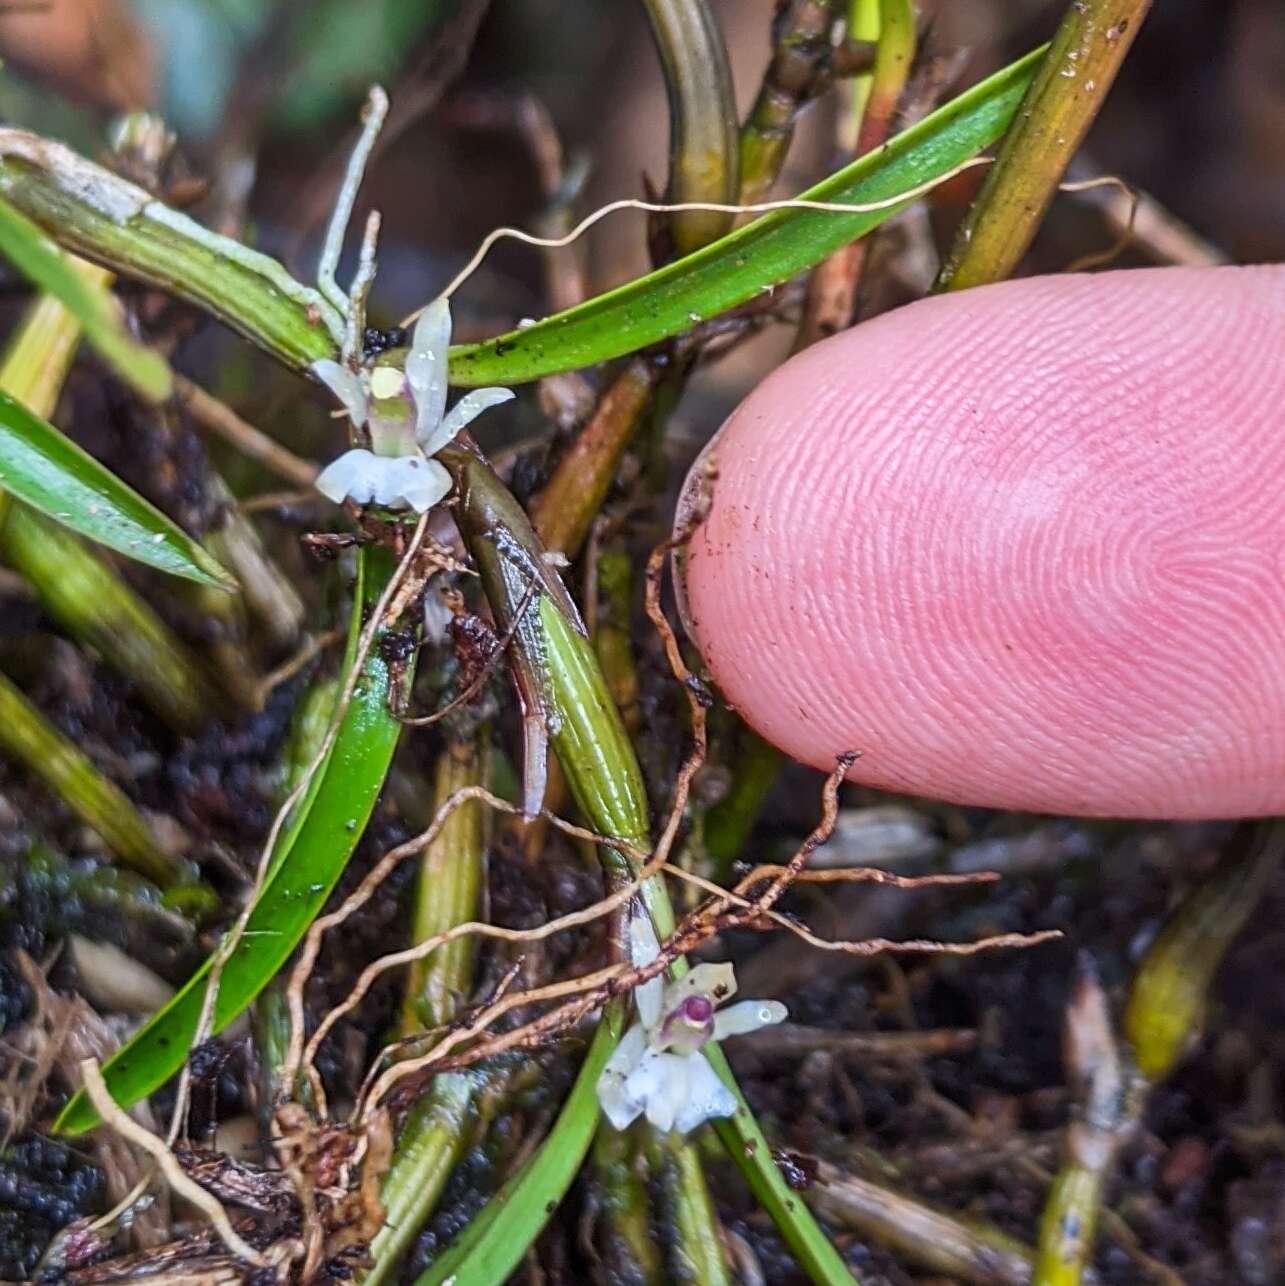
(698, 1009)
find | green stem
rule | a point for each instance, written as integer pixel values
(1069, 88)
(622, 1218)
(432, 1138)
(1162, 1018)
(1069, 1225)
(1167, 1000)
(697, 1250)
(96, 214)
(449, 888)
(488, 1250)
(832, 289)
(87, 599)
(702, 117)
(748, 1147)
(430, 1144)
(798, 72)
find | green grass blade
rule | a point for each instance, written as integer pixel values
(41, 262)
(309, 862)
(51, 473)
(764, 253)
(255, 295)
(493, 1244)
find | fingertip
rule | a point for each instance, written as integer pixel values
(1020, 546)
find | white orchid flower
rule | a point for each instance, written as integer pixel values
(659, 1069)
(405, 411)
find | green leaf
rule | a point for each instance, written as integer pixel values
(763, 254)
(41, 262)
(308, 862)
(493, 1244)
(51, 473)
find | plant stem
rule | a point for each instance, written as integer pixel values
(748, 1147)
(702, 117)
(605, 779)
(433, 1136)
(27, 735)
(269, 596)
(1167, 1000)
(488, 1250)
(1106, 1107)
(1069, 88)
(85, 597)
(798, 72)
(697, 1248)
(429, 1146)
(832, 289)
(563, 512)
(620, 1201)
(1163, 1016)
(937, 1240)
(449, 888)
(91, 211)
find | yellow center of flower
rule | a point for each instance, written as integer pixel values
(386, 382)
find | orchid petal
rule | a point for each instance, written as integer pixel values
(345, 385)
(660, 1083)
(706, 1097)
(748, 1015)
(649, 996)
(463, 413)
(619, 1105)
(426, 366)
(396, 482)
(643, 949)
(717, 981)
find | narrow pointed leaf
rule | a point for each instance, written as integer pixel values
(309, 860)
(492, 1245)
(51, 473)
(42, 263)
(757, 257)
(253, 293)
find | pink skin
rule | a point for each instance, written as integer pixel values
(1021, 547)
